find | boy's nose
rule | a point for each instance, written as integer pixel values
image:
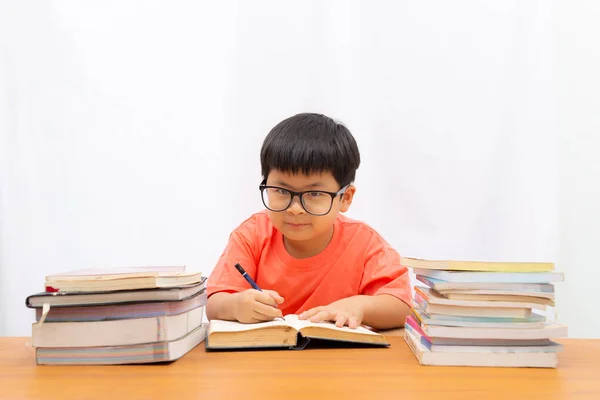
(296, 207)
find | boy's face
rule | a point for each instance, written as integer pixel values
(295, 223)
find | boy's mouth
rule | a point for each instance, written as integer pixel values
(296, 224)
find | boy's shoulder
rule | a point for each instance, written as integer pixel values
(353, 228)
(258, 224)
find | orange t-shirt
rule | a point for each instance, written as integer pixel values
(356, 261)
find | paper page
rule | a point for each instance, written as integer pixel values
(124, 271)
(217, 325)
(293, 321)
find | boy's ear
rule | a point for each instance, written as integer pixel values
(347, 198)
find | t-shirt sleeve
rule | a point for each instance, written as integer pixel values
(240, 249)
(383, 274)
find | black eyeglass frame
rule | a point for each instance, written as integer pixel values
(300, 195)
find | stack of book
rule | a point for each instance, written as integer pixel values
(483, 314)
(118, 316)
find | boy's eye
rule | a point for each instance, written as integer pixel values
(315, 194)
(282, 192)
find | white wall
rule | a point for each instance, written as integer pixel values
(578, 30)
(130, 132)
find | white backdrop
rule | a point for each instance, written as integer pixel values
(130, 131)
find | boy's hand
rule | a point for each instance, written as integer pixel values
(349, 311)
(251, 306)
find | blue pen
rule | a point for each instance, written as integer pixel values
(247, 277)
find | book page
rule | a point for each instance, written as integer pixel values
(293, 321)
(105, 273)
(217, 325)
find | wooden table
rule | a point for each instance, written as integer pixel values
(309, 374)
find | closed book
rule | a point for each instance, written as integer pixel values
(500, 297)
(122, 311)
(497, 292)
(116, 332)
(490, 266)
(94, 298)
(485, 358)
(432, 297)
(550, 330)
(534, 346)
(478, 322)
(128, 278)
(144, 353)
(462, 311)
(441, 286)
(491, 277)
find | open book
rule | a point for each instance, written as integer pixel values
(289, 333)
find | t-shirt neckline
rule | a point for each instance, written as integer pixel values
(316, 261)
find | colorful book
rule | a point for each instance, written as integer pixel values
(488, 266)
(441, 286)
(491, 277)
(144, 353)
(480, 359)
(94, 298)
(495, 292)
(117, 332)
(411, 322)
(549, 347)
(432, 297)
(548, 331)
(534, 317)
(462, 311)
(122, 311)
(424, 318)
(499, 297)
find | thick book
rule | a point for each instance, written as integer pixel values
(534, 317)
(547, 346)
(462, 311)
(127, 278)
(484, 358)
(412, 323)
(432, 297)
(95, 298)
(117, 332)
(498, 292)
(144, 353)
(441, 286)
(290, 333)
(550, 330)
(491, 277)
(486, 266)
(480, 322)
(499, 297)
(121, 311)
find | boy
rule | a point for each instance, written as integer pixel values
(307, 258)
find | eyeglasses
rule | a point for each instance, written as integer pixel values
(315, 202)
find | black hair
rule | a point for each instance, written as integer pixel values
(311, 143)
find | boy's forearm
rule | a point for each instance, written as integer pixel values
(383, 311)
(220, 306)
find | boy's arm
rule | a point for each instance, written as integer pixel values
(229, 296)
(385, 294)
(249, 306)
(382, 311)
(220, 306)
